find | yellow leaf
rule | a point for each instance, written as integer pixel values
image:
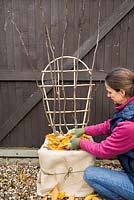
(96, 198)
(92, 197)
(20, 177)
(44, 198)
(61, 195)
(60, 142)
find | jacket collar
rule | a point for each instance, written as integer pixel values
(120, 107)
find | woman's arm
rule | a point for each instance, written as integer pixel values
(119, 142)
(98, 129)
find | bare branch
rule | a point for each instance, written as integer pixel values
(62, 53)
(98, 35)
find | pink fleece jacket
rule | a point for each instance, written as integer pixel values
(120, 141)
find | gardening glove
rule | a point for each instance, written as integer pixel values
(77, 132)
(74, 144)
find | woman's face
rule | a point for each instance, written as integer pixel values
(117, 97)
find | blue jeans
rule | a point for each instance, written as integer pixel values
(109, 184)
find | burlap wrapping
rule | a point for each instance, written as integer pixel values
(65, 168)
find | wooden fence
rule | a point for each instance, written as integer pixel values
(23, 54)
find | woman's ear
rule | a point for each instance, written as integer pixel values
(122, 92)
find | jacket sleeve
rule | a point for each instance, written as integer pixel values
(98, 129)
(119, 142)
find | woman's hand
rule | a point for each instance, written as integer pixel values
(77, 132)
(74, 144)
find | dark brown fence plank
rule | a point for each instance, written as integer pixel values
(30, 76)
(8, 34)
(19, 114)
(108, 52)
(130, 51)
(115, 47)
(123, 41)
(7, 75)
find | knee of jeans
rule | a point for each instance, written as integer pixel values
(89, 174)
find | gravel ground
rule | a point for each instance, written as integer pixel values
(18, 177)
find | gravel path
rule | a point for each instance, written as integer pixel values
(18, 178)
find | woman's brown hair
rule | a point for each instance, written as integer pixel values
(121, 78)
